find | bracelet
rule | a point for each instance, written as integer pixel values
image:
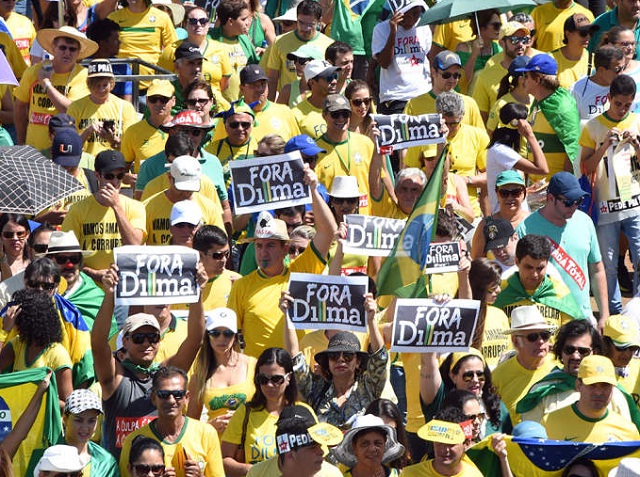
(468, 180)
(47, 85)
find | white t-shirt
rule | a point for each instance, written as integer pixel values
(591, 99)
(500, 158)
(408, 75)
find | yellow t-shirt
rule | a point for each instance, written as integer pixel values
(484, 87)
(158, 211)
(568, 424)
(493, 121)
(23, 33)
(494, 341)
(54, 356)
(141, 141)
(161, 183)
(73, 85)
(96, 228)
(549, 21)
(426, 104)
(226, 153)
(220, 400)
(270, 468)
(238, 60)
(570, 71)
(13, 54)
(272, 119)
(216, 292)
(309, 119)
(450, 35)
(425, 469)
(87, 112)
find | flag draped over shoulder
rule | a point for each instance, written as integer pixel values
(562, 114)
(346, 27)
(16, 391)
(401, 274)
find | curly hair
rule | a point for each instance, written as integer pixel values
(38, 321)
(280, 357)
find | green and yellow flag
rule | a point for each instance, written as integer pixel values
(402, 273)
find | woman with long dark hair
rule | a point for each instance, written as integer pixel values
(474, 54)
(510, 90)
(15, 233)
(146, 455)
(389, 412)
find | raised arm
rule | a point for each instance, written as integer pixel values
(290, 337)
(376, 340)
(324, 221)
(430, 379)
(385, 56)
(103, 361)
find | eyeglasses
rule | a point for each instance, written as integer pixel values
(506, 193)
(217, 255)
(157, 99)
(343, 200)
(516, 40)
(176, 393)
(276, 379)
(468, 376)
(217, 333)
(335, 356)
(617, 70)
(109, 176)
(63, 259)
(496, 25)
(533, 337)
(447, 75)
(582, 351)
(360, 102)
(533, 32)
(46, 286)
(40, 247)
(626, 44)
(71, 49)
(473, 417)
(584, 33)
(138, 338)
(184, 225)
(569, 203)
(144, 469)
(293, 250)
(301, 61)
(238, 124)
(197, 101)
(195, 21)
(340, 114)
(21, 235)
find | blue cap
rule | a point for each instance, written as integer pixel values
(66, 148)
(303, 143)
(509, 177)
(530, 429)
(541, 63)
(517, 63)
(567, 185)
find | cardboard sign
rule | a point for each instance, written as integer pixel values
(422, 326)
(328, 302)
(400, 131)
(156, 275)
(266, 183)
(443, 257)
(371, 236)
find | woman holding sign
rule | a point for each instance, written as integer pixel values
(349, 379)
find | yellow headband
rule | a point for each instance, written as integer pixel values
(456, 357)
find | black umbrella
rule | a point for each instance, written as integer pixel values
(29, 182)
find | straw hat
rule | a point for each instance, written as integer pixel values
(46, 36)
(177, 11)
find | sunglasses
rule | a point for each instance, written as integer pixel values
(183, 225)
(217, 333)
(192, 131)
(46, 286)
(584, 34)
(468, 376)
(109, 176)
(301, 61)
(40, 247)
(217, 255)
(506, 193)
(296, 250)
(569, 203)
(176, 393)
(495, 25)
(340, 114)
(582, 351)
(331, 78)
(63, 259)
(533, 337)
(447, 75)
(238, 124)
(516, 40)
(67, 474)
(195, 21)
(343, 200)
(473, 417)
(276, 379)
(138, 338)
(18, 235)
(335, 356)
(158, 99)
(360, 102)
(72, 49)
(145, 469)
(617, 69)
(198, 101)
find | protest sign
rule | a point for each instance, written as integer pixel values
(443, 257)
(421, 325)
(400, 131)
(371, 236)
(328, 302)
(156, 275)
(266, 183)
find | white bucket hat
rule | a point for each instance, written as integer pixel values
(527, 318)
(62, 459)
(65, 242)
(46, 37)
(345, 187)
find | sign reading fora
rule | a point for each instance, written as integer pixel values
(400, 131)
(266, 183)
(156, 275)
(328, 302)
(421, 325)
(443, 257)
(371, 236)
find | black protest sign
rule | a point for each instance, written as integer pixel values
(371, 236)
(266, 183)
(421, 325)
(328, 302)
(400, 131)
(156, 275)
(443, 257)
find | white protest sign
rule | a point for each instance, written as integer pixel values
(400, 131)
(371, 236)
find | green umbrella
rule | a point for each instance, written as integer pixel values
(452, 10)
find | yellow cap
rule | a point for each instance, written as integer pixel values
(622, 330)
(442, 431)
(597, 369)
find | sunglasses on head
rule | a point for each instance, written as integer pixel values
(144, 469)
(570, 203)
(176, 393)
(516, 40)
(217, 333)
(238, 124)
(72, 49)
(468, 376)
(18, 235)
(157, 99)
(197, 101)
(360, 102)
(217, 255)
(194, 21)
(340, 114)
(63, 259)
(109, 176)
(276, 379)
(138, 338)
(533, 337)
(448, 74)
(46, 286)
(506, 193)
(582, 351)
(346, 355)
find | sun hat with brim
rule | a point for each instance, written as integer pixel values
(458, 355)
(627, 467)
(343, 452)
(60, 459)
(221, 318)
(65, 242)
(306, 51)
(343, 341)
(268, 227)
(622, 331)
(527, 318)
(177, 11)
(290, 15)
(597, 369)
(443, 432)
(46, 37)
(137, 321)
(82, 400)
(509, 177)
(345, 187)
(187, 118)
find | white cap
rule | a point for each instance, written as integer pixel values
(186, 211)
(60, 458)
(221, 317)
(317, 67)
(185, 171)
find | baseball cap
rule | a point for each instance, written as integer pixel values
(509, 177)
(268, 227)
(82, 400)
(109, 160)
(303, 143)
(319, 69)
(98, 68)
(221, 317)
(335, 102)
(597, 369)
(294, 433)
(188, 51)
(541, 63)
(66, 148)
(530, 429)
(517, 63)
(251, 74)
(497, 233)
(61, 121)
(442, 431)
(580, 22)
(186, 171)
(185, 211)
(622, 330)
(60, 459)
(187, 118)
(446, 59)
(566, 184)
(137, 321)
(305, 51)
(510, 28)
(160, 88)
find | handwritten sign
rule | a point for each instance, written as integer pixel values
(156, 275)
(266, 183)
(400, 131)
(328, 302)
(421, 325)
(371, 236)
(443, 257)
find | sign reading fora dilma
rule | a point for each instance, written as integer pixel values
(443, 257)
(400, 131)
(266, 183)
(328, 302)
(371, 236)
(156, 275)
(421, 325)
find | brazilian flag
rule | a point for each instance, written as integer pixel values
(401, 274)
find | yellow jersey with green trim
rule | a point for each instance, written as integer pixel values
(426, 104)
(549, 21)
(309, 119)
(570, 71)
(450, 35)
(142, 141)
(54, 356)
(226, 152)
(237, 60)
(485, 84)
(23, 33)
(549, 142)
(220, 400)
